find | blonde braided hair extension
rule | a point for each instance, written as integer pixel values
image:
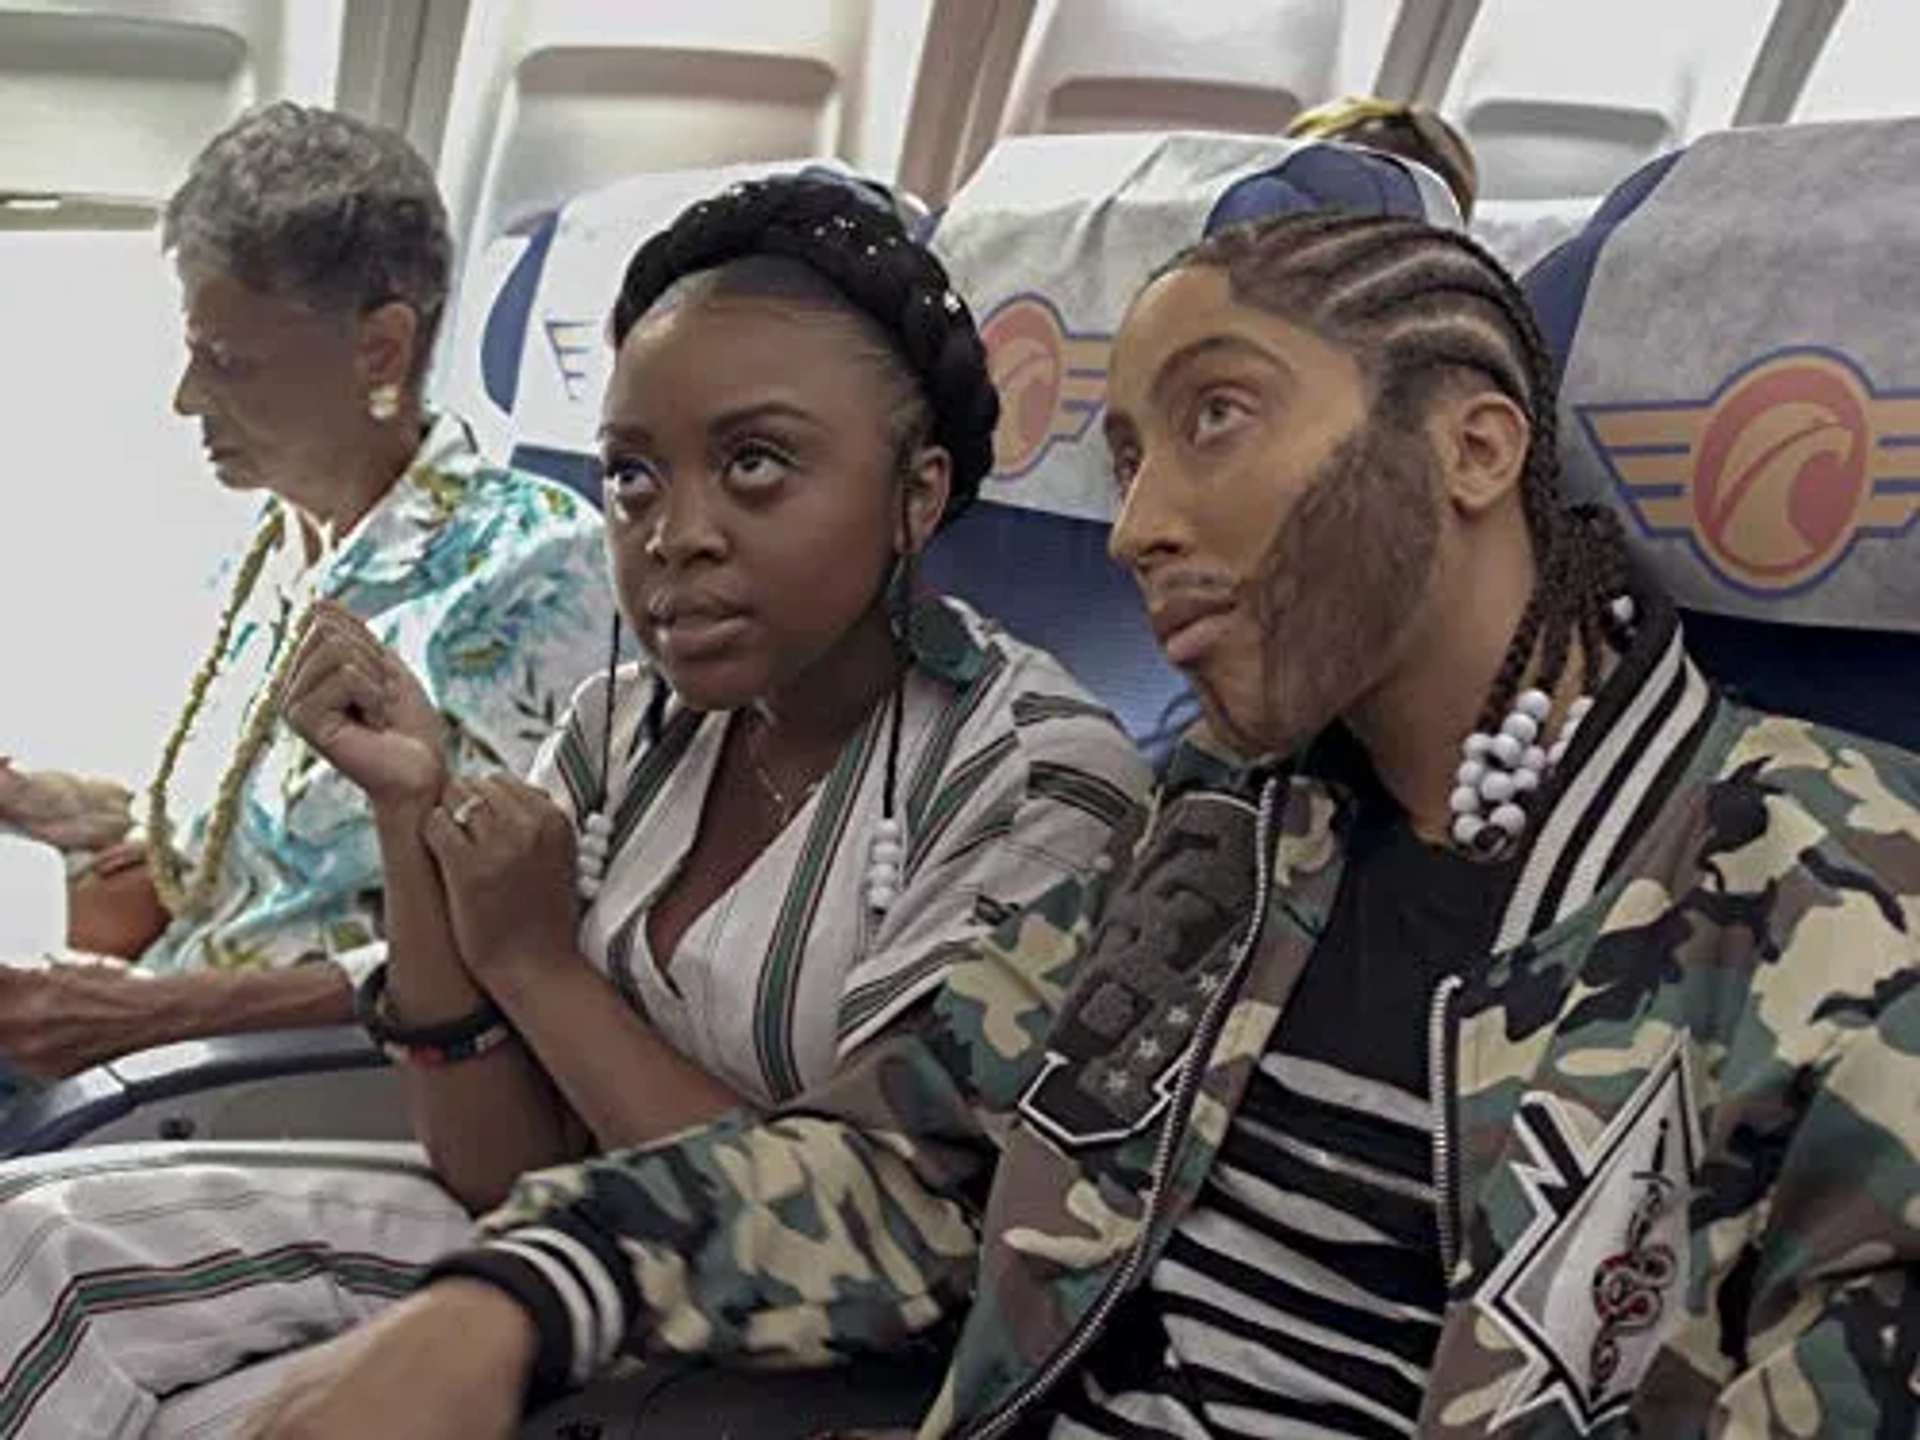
(164, 863)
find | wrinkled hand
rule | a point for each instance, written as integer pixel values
(449, 1363)
(366, 714)
(508, 868)
(71, 1016)
(64, 811)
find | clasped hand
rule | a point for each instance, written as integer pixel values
(504, 850)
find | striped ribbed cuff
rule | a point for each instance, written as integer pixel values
(580, 1297)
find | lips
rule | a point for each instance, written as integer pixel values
(1186, 625)
(694, 627)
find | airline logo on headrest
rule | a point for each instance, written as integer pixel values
(1776, 478)
(1052, 382)
(572, 342)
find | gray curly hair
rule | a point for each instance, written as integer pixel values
(318, 207)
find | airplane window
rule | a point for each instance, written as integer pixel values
(113, 524)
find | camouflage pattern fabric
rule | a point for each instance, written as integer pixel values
(1679, 1158)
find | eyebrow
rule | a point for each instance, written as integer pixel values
(1210, 345)
(727, 420)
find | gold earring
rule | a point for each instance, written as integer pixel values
(383, 402)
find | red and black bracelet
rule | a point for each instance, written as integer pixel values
(448, 1043)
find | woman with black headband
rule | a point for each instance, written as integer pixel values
(738, 861)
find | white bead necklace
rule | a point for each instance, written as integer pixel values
(1499, 773)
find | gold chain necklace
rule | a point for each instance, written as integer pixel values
(783, 806)
(164, 863)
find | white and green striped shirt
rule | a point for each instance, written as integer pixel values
(1011, 779)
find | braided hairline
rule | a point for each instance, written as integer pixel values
(1416, 304)
(864, 253)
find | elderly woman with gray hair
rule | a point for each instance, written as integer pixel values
(313, 258)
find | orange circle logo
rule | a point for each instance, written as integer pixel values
(1782, 471)
(1052, 382)
(1027, 356)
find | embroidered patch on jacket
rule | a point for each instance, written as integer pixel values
(1165, 948)
(1593, 1287)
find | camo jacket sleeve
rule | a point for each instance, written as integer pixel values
(845, 1222)
(1829, 1341)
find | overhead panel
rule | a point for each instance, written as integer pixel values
(1105, 65)
(1566, 100)
(556, 97)
(102, 107)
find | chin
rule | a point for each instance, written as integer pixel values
(712, 685)
(1247, 721)
(236, 477)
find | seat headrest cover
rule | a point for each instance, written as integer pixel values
(1053, 236)
(1741, 371)
(554, 305)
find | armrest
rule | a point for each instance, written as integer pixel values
(68, 1110)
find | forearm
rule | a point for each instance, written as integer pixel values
(883, 1167)
(206, 1003)
(483, 1121)
(619, 1076)
(685, 1260)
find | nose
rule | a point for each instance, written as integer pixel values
(1149, 529)
(189, 401)
(686, 525)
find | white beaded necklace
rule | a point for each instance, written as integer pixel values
(1500, 772)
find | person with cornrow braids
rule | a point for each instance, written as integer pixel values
(1498, 1032)
(742, 860)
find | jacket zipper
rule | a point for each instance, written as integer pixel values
(1440, 1087)
(1180, 1112)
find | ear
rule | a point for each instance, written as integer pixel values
(929, 479)
(388, 345)
(1481, 437)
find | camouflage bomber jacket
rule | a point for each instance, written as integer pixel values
(1691, 1071)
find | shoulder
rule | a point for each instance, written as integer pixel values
(481, 497)
(1830, 790)
(1021, 700)
(1809, 861)
(621, 695)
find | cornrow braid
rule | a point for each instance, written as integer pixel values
(860, 247)
(1417, 304)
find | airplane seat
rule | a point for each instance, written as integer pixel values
(1048, 241)
(1522, 233)
(1740, 379)
(529, 358)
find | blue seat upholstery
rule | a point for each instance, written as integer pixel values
(1737, 383)
(1049, 241)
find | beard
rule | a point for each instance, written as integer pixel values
(1335, 594)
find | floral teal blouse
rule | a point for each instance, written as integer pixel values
(492, 587)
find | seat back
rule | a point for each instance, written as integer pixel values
(529, 359)
(1049, 241)
(1741, 378)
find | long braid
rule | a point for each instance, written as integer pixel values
(1415, 304)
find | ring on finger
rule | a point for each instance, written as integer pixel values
(463, 813)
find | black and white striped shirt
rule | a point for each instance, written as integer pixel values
(1302, 1295)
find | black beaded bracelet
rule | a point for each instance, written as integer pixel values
(448, 1043)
